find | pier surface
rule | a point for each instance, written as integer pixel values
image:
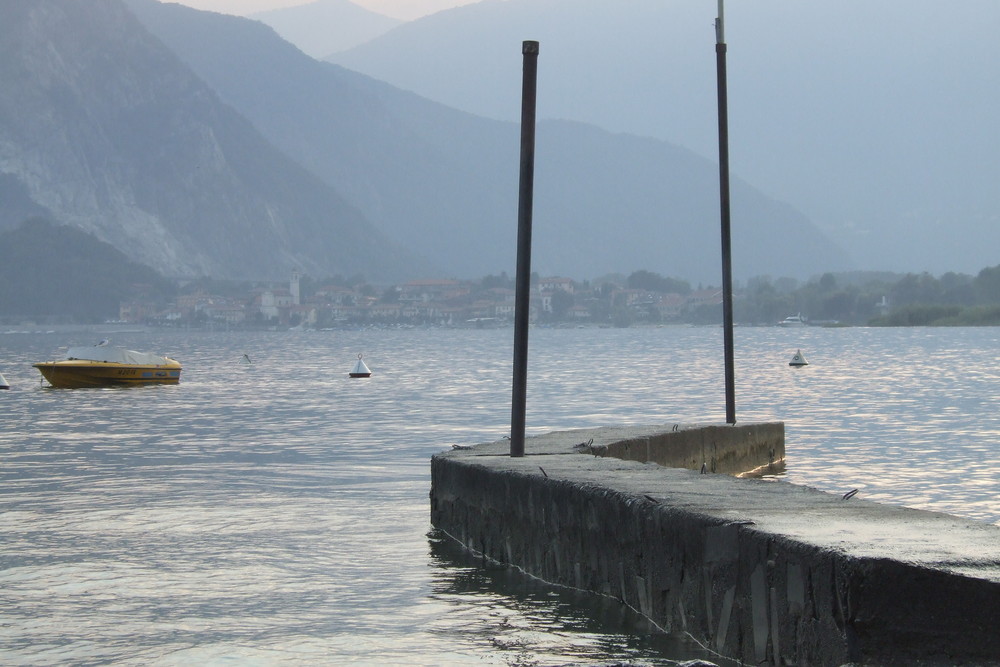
(756, 569)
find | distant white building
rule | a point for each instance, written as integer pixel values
(883, 305)
(553, 284)
(275, 302)
(293, 288)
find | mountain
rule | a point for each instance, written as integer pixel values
(444, 182)
(104, 128)
(16, 204)
(323, 27)
(875, 119)
(70, 289)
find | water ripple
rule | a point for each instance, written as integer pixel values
(277, 513)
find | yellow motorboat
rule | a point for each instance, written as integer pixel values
(101, 366)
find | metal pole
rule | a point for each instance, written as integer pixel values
(522, 296)
(727, 259)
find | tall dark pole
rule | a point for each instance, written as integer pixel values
(727, 253)
(522, 296)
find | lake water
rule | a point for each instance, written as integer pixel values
(277, 513)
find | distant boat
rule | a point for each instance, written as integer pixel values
(792, 321)
(360, 369)
(798, 359)
(3, 382)
(101, 366)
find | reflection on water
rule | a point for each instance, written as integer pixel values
(277, 513)
(909, 416)
(514, 617)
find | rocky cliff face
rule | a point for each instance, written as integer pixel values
(104, 128)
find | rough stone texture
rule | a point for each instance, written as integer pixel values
(739, 449)
(760, 570)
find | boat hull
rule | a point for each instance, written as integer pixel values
(78, 373)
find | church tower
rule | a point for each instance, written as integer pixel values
(293, 287)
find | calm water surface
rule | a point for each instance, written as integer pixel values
(277, 513)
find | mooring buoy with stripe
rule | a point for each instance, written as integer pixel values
(360, 369)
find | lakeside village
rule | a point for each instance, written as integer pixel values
(856, 298)
(435, 302)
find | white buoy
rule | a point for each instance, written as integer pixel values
(360, 369)
(798, 359)
(3, 382)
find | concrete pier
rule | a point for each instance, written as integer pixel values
(759, 570)
(744, 450)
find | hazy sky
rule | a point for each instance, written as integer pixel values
(400, 9)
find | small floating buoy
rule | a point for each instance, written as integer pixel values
(3, 382)
(798, 360)
(360, 370)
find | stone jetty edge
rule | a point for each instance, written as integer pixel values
(760, 570)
